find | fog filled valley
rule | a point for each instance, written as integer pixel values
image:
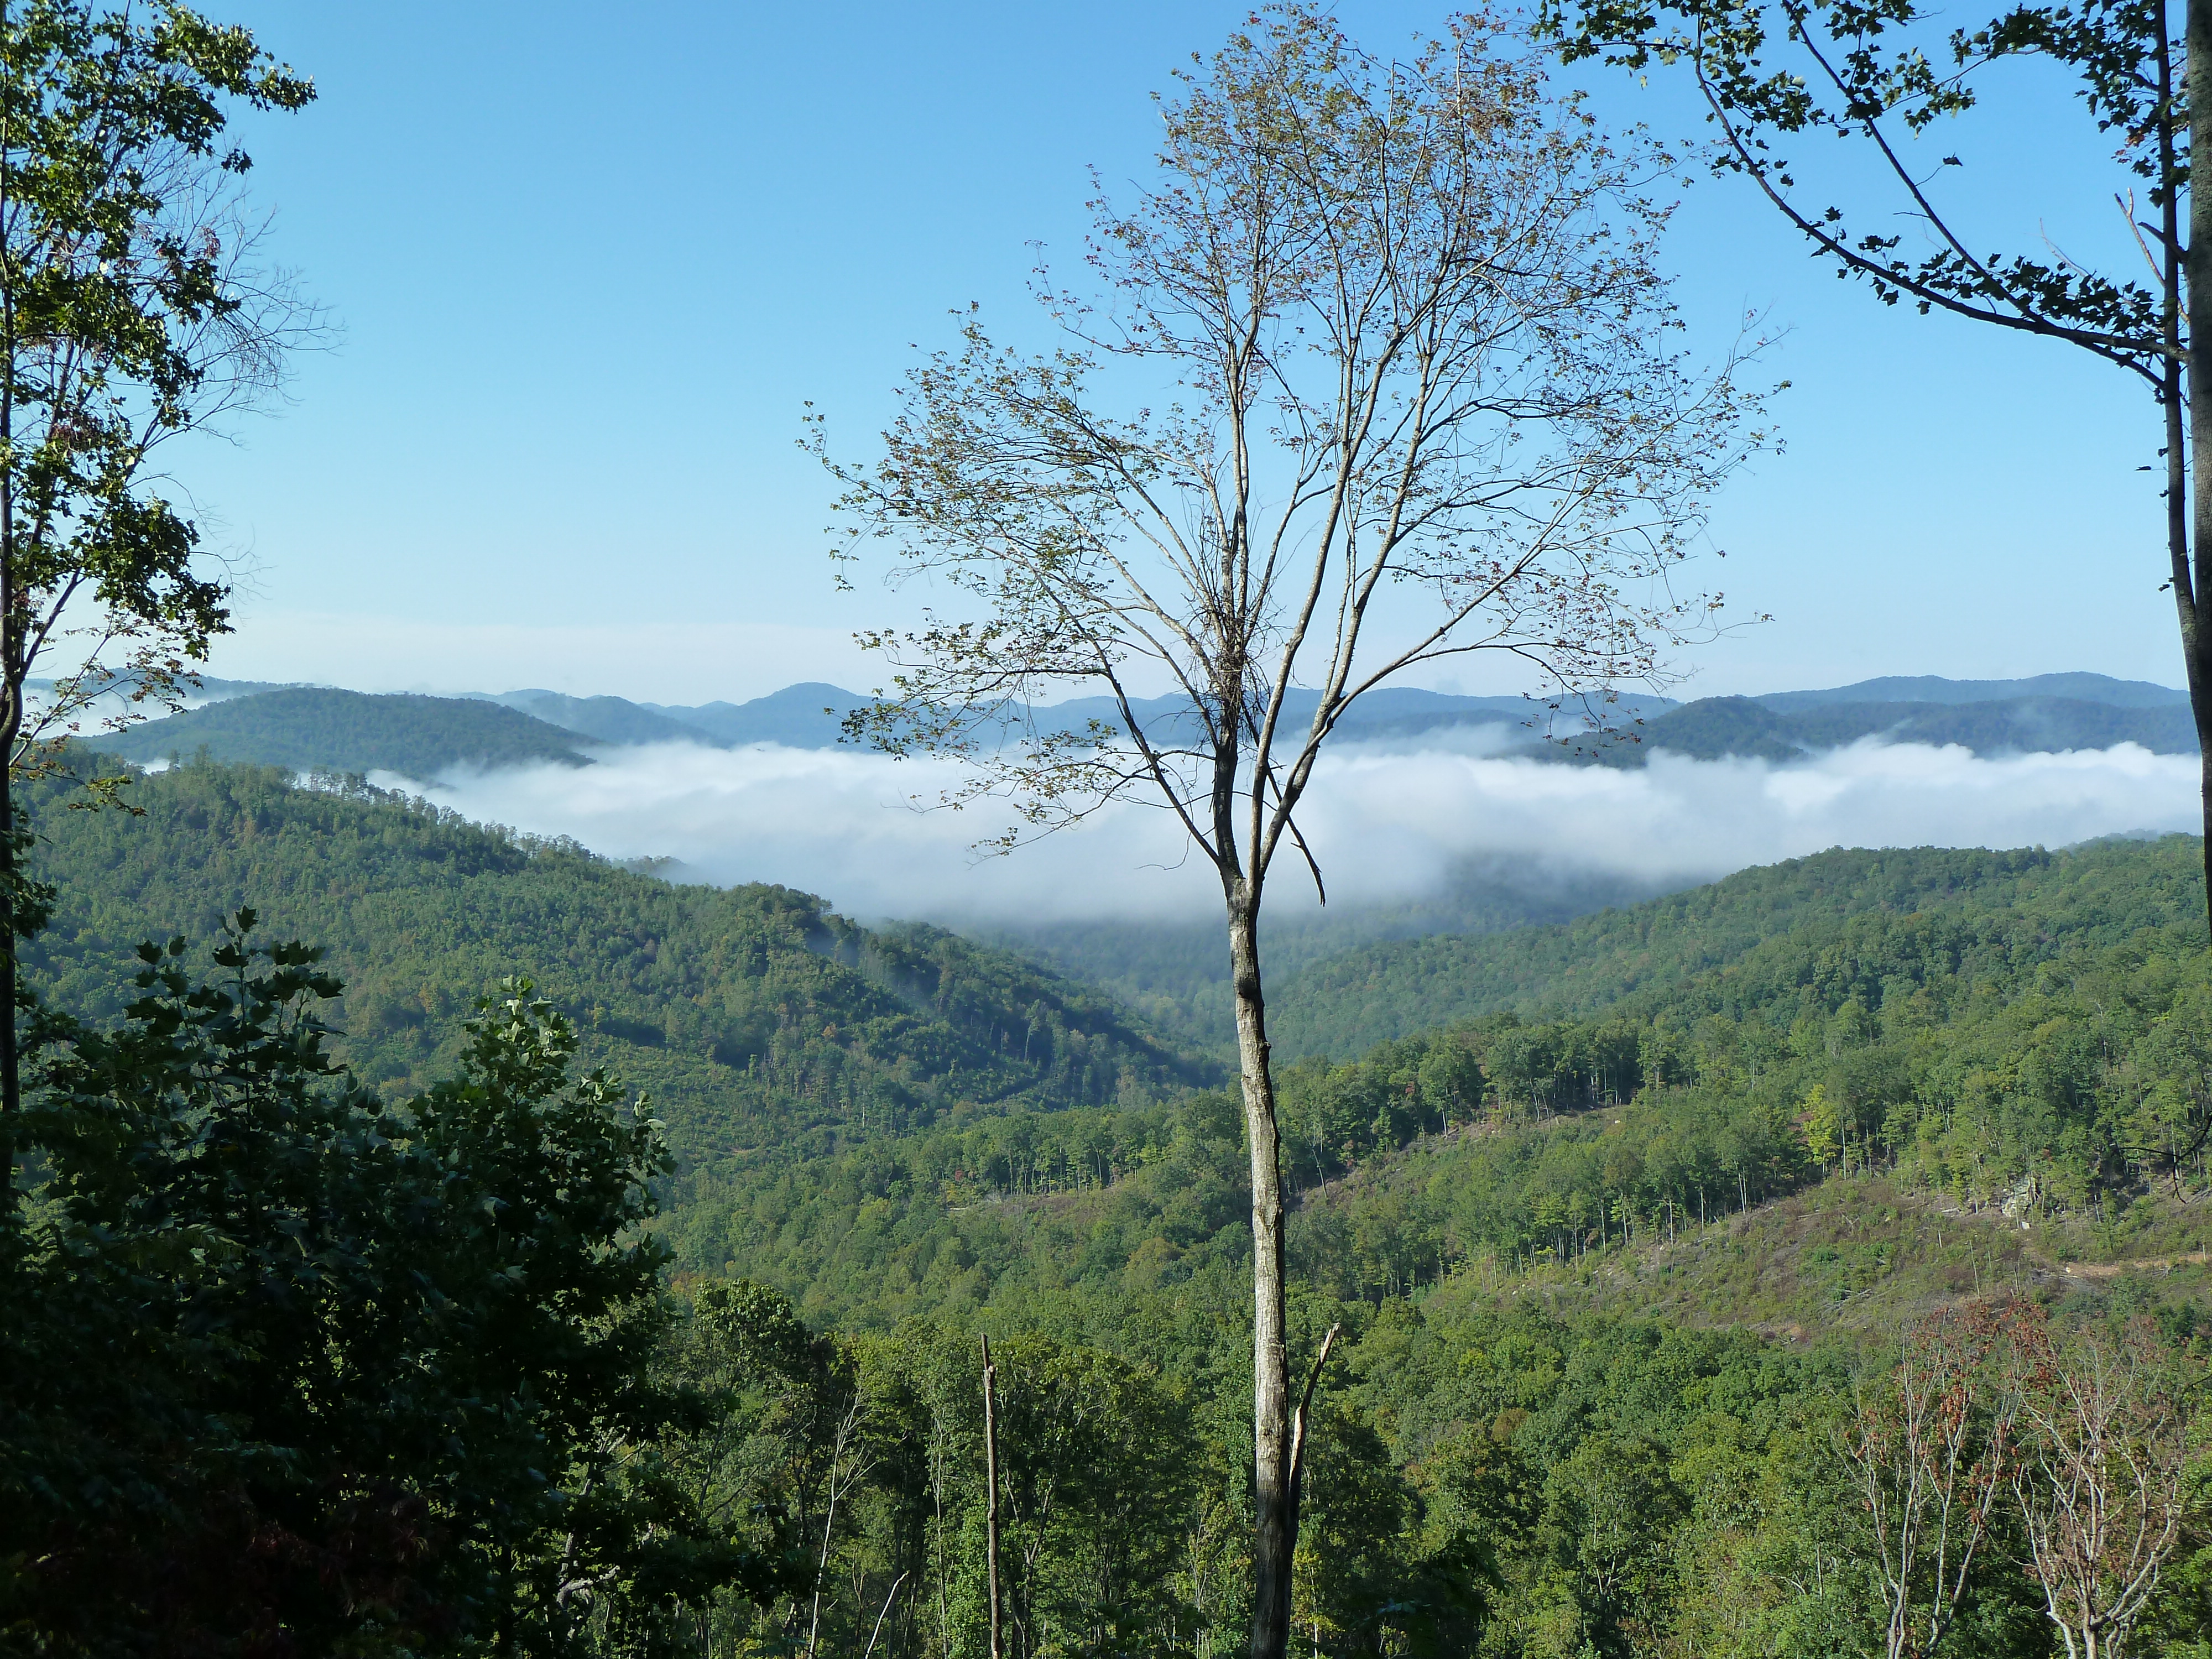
(1611, 1180)
(1445, 815)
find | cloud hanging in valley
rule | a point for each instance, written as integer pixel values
(1387, 823)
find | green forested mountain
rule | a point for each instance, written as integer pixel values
(2026, 1029)
(755, 1016)
(1740, 940)
(1779, 729)
(309, 730)
(1340, 982)
(1618, 1243)
(1175, 970)
(1616, 1287)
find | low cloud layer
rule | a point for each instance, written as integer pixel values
(1385, 824)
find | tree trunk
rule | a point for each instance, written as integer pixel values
(1273, 1494)
(11, 1082)
(2191, 575)
(991, 1490)
(13, 672)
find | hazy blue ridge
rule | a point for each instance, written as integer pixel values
(1387, 712)
(808, 716)
(603, 720)
(1755, 728)
(1932, 688)
(308, 730)
(196, 692)
(2049, 711)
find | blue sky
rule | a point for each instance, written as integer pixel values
(591, 263)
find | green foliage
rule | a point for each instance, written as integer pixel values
(1155, 1197)
(132, 314)
(1759, 938)
(312, 730)
(1175, 972)
(1812, 1100)
(1484, 1480)
(757, 1020)
(286, 1369)
(1512, 1459)
(2040, 1059)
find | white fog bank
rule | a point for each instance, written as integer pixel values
(1385, 824)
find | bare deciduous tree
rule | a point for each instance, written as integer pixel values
(852, 1456)
(1931, 1445)
(2100, 1478)
(991, 1491)
(1419, 398)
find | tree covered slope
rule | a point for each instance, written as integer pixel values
(1754, 938)
(308, 730)
(2021, 1040)
(1175, 972)
(755, 1016)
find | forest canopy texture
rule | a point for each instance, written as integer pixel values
(422, 1240)
(1628, 1249)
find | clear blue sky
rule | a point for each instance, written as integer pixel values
(590, 262)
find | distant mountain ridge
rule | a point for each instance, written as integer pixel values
(313, 729)
(420, 737)
(1753, 728)
(1931, 688)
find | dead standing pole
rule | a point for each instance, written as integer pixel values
(991, 1491)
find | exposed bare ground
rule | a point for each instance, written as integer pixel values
(1849, 1259)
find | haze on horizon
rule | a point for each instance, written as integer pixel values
(456, 497)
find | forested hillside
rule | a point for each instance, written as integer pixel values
(1504, 933)
(1615, 1287)
(2029, 1029)
(1604, 1259)
(315, 730)
(1740, 940)
(424, 1238)
(1175, 971)
(755, 1016)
